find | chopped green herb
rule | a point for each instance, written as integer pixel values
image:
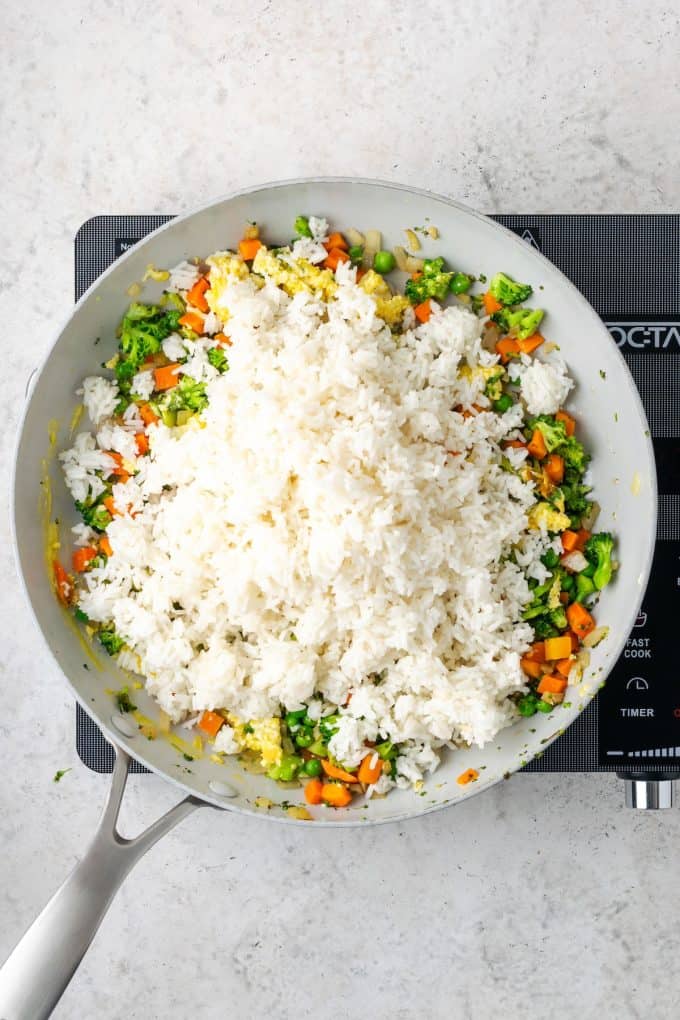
(59, 775)
(123, 701)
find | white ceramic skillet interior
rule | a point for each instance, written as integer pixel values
(605, 402)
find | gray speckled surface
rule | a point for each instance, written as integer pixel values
(543, 898)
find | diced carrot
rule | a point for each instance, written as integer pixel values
(567, 421)
(222, 339)
(557, 647)
(423, 311)
(564, 597)
(416, 276)
(506, 347)
(468, 776)
(532, 669)
(147, 414)
(361, 272)
(142, 443)
(82, 557)
(166, 377)
(62, 583)
(335, 794)
(536, 446)
(582, 535)
(337, 773)
(565, 666)
(529, 345)
(196, 296)
(334, 258)
(552, 684)
(554, 467)
(514, 444)
(105, 546)
(370, 773)
(313, 791)
(491, 305)
(580, 620)
(119, 471)
(111, 506)
(537, 652)
(193, 321)
(248, 248)
(569, 540)
(211, 723)
(336, 241)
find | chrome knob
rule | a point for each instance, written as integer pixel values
(649, 794)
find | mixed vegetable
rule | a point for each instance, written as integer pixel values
(295, 747)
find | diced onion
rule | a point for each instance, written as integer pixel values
(590, 520)
(593, 639)
(575, 561)
(355, 237)
(412, 238)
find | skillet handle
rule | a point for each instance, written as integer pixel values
(40, 967)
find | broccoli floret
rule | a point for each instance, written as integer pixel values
(143, 329)
(550, 559)
(598, 551)
(546, 622)
(585, 586)
(218, 359)
(112, 642)
(328, 725)
(553, 431)
(187, 395)
(432, 283)
(508, 291)
(95, 515)
(543, 628)
(576, 502)
(520, 322)
(575, 459)
(539, 601)
(302, 227)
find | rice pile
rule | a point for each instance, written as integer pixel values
(331, 527)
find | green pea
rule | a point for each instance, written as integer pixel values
(356, 254)
(294, 719)
(304, 738)
(527, 705)
(544, 706)
(302, 228)
(384, 262)
(312, 767)
(503, 404)
(460, 283)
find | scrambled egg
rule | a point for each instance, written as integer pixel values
(295, 276)
(225, 268)
(260, 735)
(389, 306)
(484, 374)
(543, 515)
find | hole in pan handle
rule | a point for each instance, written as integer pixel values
(40, 967)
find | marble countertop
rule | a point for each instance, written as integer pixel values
(543, 897)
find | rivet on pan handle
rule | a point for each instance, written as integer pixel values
(34, 977)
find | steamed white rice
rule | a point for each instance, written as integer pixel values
(331, 527)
